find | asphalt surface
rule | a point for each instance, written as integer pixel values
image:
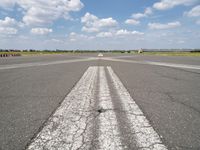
(169, 97)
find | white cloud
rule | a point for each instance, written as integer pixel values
(147, 11)
(119, 33)
(164, 26)
(8, 26)
(40, 12)
(138, 15)
(126, 32)
(132, 22)
(93, 24)
(8, 31)
(41, 31)
(137, 33)
(75, 37)
(105, 34)
(107, 22)
(88, 18)
(89, 29)
(168, 4)
(194, 12)
(8, 22)
(123, 32)
(54, 41)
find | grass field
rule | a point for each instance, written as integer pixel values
(171, 53)
(33, 53)
(133, 52)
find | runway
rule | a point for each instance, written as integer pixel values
(83, 101)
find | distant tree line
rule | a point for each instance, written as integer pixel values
(101, 51)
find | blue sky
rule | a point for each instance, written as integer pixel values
(100, 24)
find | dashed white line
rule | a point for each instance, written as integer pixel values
(109, 138)
(144, 134)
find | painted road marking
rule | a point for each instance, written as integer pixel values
(144, 134)
(173, 65)
(109, 137)
(72, 125)
(24, 65)
(185, 66)
(69, 127)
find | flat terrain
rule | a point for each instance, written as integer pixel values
(48, 94)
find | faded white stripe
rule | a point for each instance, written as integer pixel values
(24, 65)
(173, 65)
(109, 137)
(70, 126)
(186, 66)
(144, 134)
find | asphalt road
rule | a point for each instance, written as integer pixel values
(33, 90)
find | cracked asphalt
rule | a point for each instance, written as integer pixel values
(78, 105)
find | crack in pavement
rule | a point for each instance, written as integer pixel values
(73, 128)
(97, 115)
(109, 136)
(145, 137)
(172, 99)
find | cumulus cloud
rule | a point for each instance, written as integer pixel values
(8, 31)
(168, 4)
(147, 11)
(126, 32)
(75, 37)
(8, 22)
(138, 15)
(169, 25)
(118, 33)
(40, 12)
(132, 22)
(9, 26)
(93, 24)
(105, 34)
(90, 29)
(41, 31)
(194, 12)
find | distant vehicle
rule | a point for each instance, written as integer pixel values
(100, 55)
(140, 51)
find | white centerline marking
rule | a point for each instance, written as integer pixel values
(185, 66)
(144, 134)
(70, 126)
(109, 137)
(24, 65)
